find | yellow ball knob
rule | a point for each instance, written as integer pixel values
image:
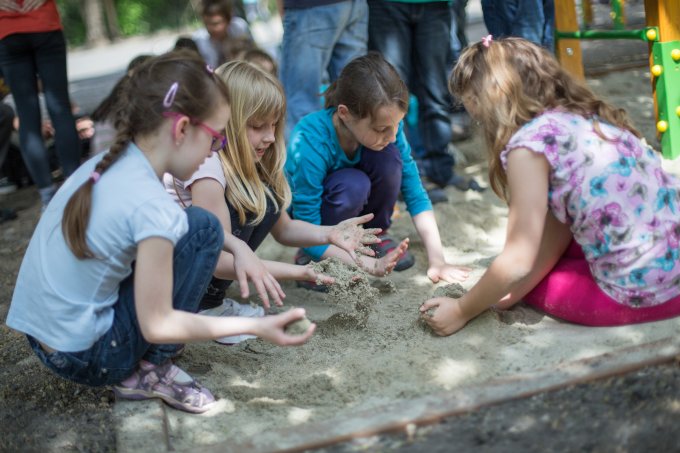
(657, 70)
(675, 54)
(651, 34)
(662, 126)
(677, 110)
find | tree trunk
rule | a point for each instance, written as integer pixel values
(112, 19)
(92, 13)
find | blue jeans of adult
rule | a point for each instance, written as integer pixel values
(116, 355)
(370, 187)
(23, 58)
(251, 234)
(318, 40)
(532, 20)
(415, 38)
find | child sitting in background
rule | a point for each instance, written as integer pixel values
(244, 186)
(115, 270)
(352, 158)
(593, 231)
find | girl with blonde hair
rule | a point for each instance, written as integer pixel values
(245, 187)
(593, 233)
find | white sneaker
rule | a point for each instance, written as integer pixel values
(230, 307)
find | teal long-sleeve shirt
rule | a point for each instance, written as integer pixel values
(314, 152)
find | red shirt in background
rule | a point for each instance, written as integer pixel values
(42, 19)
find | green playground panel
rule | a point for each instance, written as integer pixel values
(666, 58)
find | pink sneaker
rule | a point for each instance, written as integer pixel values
(167, 382)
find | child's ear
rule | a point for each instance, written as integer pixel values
(343, 112)
(179, 129)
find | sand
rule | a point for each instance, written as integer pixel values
(370, 349)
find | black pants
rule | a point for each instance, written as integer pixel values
(253, 235)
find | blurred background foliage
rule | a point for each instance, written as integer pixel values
(132, 17)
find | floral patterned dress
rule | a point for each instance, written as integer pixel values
(622, 208)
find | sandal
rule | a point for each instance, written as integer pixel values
(386, 245)
(167, 382)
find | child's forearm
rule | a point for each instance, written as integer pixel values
(297, 233)
(426, 226)
(280, 271)
(506, 275)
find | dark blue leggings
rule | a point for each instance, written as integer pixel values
(23, 58)
(371, 187)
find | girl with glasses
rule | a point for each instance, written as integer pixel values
(115, 270)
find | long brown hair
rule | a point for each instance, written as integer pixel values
(366, 84)
(255, 95)
(511, 82)
(139, 111)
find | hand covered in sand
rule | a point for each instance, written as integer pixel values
(350, 236)
(317, 277)
(249, 267)
(272, 328)
(443, 315)
(379, 267)
(447, 272)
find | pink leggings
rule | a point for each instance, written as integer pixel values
(569, 292)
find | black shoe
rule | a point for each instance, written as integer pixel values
(437, 195)
(462, 183)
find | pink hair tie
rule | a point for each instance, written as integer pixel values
(486, 41)
(210, 69)
(94, 176)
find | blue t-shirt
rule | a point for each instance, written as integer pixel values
(67, 303)
(314, 152)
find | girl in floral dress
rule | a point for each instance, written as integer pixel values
(593, 231)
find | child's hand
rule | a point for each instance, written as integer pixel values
(383, 266)
(445, 316)
(312, 276)
(271, 328)
(350, 236)
(249, 267)
(447, 272)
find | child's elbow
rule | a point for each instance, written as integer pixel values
(153, 333)
(518, 266)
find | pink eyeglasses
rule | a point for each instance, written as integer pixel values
(219, 141)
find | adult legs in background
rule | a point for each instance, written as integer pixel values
(528, 19)
(403, 34)
(22, 57)
(311, 36)
(569, 292)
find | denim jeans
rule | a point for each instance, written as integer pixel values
(116, 354)
(253, 235)
(370, 187)
(532, 20)
(316, 40)
(415, 38)
(23, 57)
